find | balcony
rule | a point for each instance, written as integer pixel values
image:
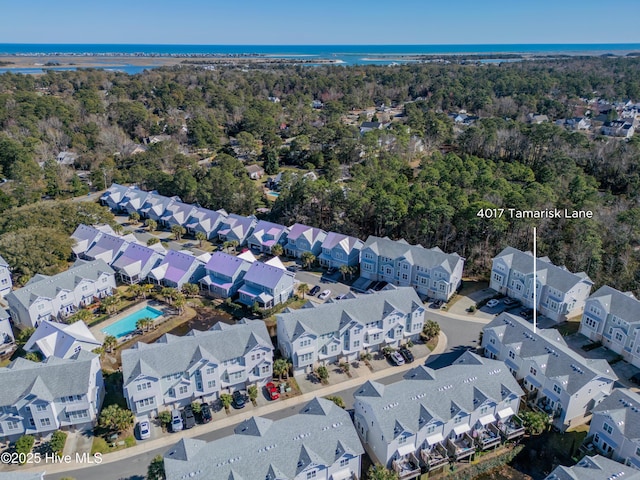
(543, 404)
(434, 457)
(407, 466)
(511, 428)
(461, 448)
(487, 438)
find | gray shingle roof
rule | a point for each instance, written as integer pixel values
(329, 317)
(556, 277)
(426, 257)
(595, 468)
(438, 394)
(171, 354)
(622, 305)
(623, 405)
(50, 379)
(21, 476)
(48, 287)
(320, 432)
(347, 243)
(548, 347)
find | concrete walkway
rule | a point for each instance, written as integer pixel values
(169, 440)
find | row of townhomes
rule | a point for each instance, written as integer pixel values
(595, 468)
(332, 249)
(175, 370)
(56, 297)
(39, 398)
(435, 415)
(342, 330)
(5, 278)
(613, 318)
(560, 294)
(558, 380)
(431, 272)
(319, 442)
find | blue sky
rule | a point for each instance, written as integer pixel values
(324, 22)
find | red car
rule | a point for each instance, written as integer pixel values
(273, 391)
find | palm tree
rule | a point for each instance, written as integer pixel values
(253, 393)
(134, 217)
(135, 290)
(109, 343)
(344, 270)
(169, 294)
(281, 367)
(118, 228)
(201, 236)
(146, 289)
(303, 288)
(307, 259)
(179, 302)
(230, 244)
(190, 289)
(226, 400)
(151, 224)
(277, 250)
(178, 231)
(110, 303)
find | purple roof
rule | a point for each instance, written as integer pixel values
(267, 228)
(298, 229)
(263, 274)
(132, 254)
(224, 264)
(178, 265)
(233, 221)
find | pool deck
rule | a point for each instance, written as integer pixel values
(96, 330)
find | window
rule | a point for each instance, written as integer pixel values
(41, 306)
(145, 402)
(63, 297)
(183, 389)
(591, 323)
(85, 288)
(45, 422)
(345, 461)
(638, 452)
(402, 440)
(512, 355)
(210, 370)
(557, 389)
(311, 474)
(211, 384)
(265, 368)
(533, 371)
(607, 428)
(457, 420)
(12, 425)
(619, 337)
(356, 343)
(77, 415)
(334, 348)
(305, 343)
(41, 408)
(144, 386)
(484, 409)
(405, 276)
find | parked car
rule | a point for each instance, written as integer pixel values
(324, 295)
(188, 418)
(436, 304)
(205, 413)
(406, 354)
(144, 429)
(340, 297)
(493, 303)
(293, 268)
(330, 270)
(635, 379)
(509, 301)
(176, 421)
(396, 358)
(238, 399)
(314, 291)
(273, 391)
(526, 313)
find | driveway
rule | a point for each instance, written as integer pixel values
(315, 278)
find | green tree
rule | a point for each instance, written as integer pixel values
(81, 315)
(134, 217)
(151, 224)
(281, 367)
(277, 250)
(271, 163)
(165, 419)
(178, 231)
(152, 241)
(430, 329)
(180, 302)
(303, 289)
(169, 294)
(323, 373)
(196, 407)
(190, 290)
(226, 400)
(24, 444)
(58, 439)
(156, 469)
(308, 259)
(109, 343)
(337, 400)
(379, 472)
(115, 418)
(535, 423)
(344, 270)
(33, 357)
(23, 336)
(110, 304)
(135, 290)
(253, 393)
(201, 237)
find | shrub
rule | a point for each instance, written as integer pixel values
(129, 441)
(58, 439)
(323, 373)
(25, 444)
(535, 423)
(165, 418)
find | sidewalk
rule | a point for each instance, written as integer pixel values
(230, 420)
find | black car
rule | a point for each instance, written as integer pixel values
(527, 313)
(188, 418)
(293, 268)
(314, 290)
(635, 379)
(205, 413)
(238, 399)
(406, 354)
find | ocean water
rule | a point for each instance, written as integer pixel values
(343, 54)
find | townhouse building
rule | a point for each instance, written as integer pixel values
(53, 339)
(615, 427)
(177, 370)
(7, 340)
(155, 206)
(176, 213)
(224, 275)
(340, 250)
(430, 271)
(56, 297)
(559, 381)
(342, 330)
(176, 269)
(114, 196)
(560, 294)
(303, 239)
(613, 318)
(236, 228)
(108, 247)
(5, 278)
(267, 285)
(37, 398)
(135, 263)
(594, 468)
(318, 442)
(86, 236)
(132, 201)
(265, 235)
(205, 221)
(434, 416)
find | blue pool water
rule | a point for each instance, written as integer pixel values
(274, 194)
(128, 323)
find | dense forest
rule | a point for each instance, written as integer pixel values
(214, 122)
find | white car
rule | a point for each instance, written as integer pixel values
(325, 294)
(145, 429)
(493, 303)
(397, 359)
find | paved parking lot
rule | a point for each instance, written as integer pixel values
(315, 278)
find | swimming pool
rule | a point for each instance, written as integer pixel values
(128, 324)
